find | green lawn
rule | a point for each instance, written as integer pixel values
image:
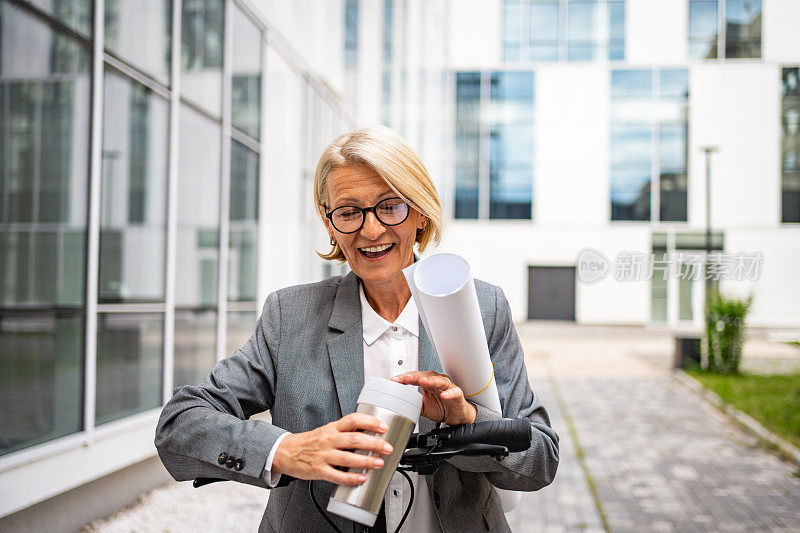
(772, 400)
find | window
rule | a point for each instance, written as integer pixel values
(350, 32)
(790, 145)
(246, 75)
(140, 36)
(566, 30)
(198, 210)
(129, 364)
(387, 63)
(243, 223)
(648, 144)
(133, 192)
(202, 25)
(44, 174)
(494, 118)
(729, 26)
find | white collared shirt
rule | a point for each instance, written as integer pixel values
(392, 348)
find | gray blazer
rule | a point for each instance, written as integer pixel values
(305, 364)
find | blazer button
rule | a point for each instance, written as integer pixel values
(238, 465)
(229, 463)
(436, 501)
(222, 458)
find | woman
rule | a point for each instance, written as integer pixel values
(314, 345)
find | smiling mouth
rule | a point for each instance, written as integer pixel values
(375, 252)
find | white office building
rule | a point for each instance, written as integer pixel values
(579, 129)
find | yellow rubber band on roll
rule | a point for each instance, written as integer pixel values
(483, 389)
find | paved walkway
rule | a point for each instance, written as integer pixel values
(654, 456)
(660, 459)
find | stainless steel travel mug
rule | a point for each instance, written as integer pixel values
(399, 407)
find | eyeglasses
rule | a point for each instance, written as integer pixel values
(350, 218)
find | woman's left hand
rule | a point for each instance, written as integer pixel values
(442, 400)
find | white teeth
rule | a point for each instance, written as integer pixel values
(375, 249)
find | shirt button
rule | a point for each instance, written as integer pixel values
(396, 492)
(400, 362)
(394, 329)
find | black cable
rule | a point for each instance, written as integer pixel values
(323, 513)
(410, 500)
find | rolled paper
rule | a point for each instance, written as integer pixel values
(444, 292)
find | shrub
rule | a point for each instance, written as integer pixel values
(725, 319)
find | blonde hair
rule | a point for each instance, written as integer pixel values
(393, 159)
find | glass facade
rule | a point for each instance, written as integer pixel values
(565, 30)
(729, 26)
(46, 79)
(648, 147)
(45, 92)
(790, 145)
(494, 145)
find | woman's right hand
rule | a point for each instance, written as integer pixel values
(314, 454)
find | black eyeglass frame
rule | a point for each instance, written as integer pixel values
(364, 211)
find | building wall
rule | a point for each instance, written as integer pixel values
(734, 105)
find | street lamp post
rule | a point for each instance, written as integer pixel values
(707, 150)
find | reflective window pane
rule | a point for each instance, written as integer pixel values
(195, 346)
(511, 145)
(243, 223)
(202, 24)
(616, 31)
(703, 29)
(631, 83)
(139, 33)
(77, 14)
(630, 193)
(743, 28)
(466, 200)
(510, 192)
(674, 82)
(198, 210)
(512, 29)
(544, 31)
(544, 21)
(673, 199)
(246, 75)
(616, 20)
(133, 192)
(631, 144)
(658, 289)
(41, 384)
(130, 351)
(44, 127)
(790, 146)
(468, 115)
(672, 146)
(581, 30)
(241, 325)
(350, 32)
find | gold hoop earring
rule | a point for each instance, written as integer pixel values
(333, 242)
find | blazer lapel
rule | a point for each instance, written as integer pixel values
(346, 349)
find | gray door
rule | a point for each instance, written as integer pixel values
(551, 293)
